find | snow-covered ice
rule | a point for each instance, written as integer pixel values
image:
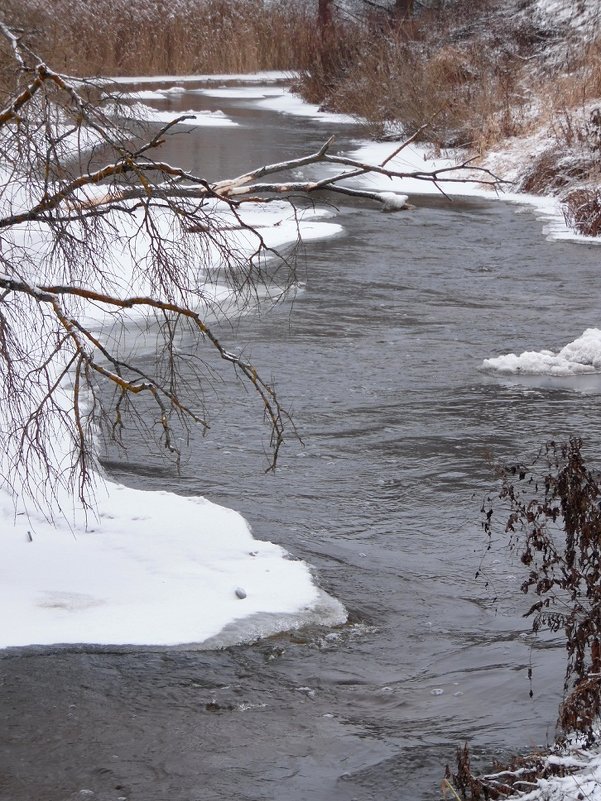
(242, 92)
(288, 103)
(146, 113)
(154, 568)
(157, 94)
(582, 356)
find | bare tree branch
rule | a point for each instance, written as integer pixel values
(96, 232)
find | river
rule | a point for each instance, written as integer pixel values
(378, 358)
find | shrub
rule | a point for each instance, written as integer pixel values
(439, 68)
(554, 526)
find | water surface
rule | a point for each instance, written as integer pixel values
(378, 358)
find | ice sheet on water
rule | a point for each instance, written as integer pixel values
(154, 569)
(141, 111)
(243, 92)
(325, 611)
(288, 103)
(582, 356)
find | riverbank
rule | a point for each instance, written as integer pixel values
(516, 84)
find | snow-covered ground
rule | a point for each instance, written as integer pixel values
(579, 761)
(584, 784)
(577, 15)
(212, 119)
(420, 158)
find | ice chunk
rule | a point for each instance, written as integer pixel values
(581, 356)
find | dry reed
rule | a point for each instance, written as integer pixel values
(115, 37)
(447, 67)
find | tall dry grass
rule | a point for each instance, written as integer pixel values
(119, 37)
(465, 69)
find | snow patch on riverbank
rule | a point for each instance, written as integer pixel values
(582, 356)
(417, 158)
(242, 92)
(271, 98)
(582, 766)
(288, 103)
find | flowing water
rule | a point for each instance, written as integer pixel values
(378, 357)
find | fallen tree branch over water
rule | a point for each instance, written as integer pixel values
(95, 229)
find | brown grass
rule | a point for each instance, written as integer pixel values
(439, 69)
(117, 37)
(465, 100)
(473, 73)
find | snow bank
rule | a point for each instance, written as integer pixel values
(287, 103)
(156, 94)
(422, 158)
(242, 92)
(582, 356)
(583, 766)
(413, 158)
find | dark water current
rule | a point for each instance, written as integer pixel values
(378, 358)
